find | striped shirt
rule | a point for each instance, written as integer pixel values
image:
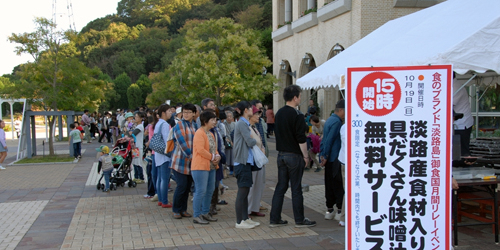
(183, 153)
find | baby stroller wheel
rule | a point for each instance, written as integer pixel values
(114, 187)
(122, 184)
(130, 184)
(134, 184)
(98, 186)
(103, 186)
(111, 186)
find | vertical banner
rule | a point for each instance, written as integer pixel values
(399, 157)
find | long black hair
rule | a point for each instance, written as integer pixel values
(240, 108)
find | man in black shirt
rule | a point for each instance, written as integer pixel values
(290, 131)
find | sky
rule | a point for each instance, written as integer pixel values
(17, 17)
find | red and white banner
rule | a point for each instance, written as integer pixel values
(398, 175)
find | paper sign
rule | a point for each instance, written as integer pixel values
(398, 182)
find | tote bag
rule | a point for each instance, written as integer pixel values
(157, 143)
(259, 157)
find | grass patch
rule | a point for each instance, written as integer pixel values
(47, 158)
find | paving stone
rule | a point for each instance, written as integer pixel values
(16, 219)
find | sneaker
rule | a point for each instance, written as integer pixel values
(337, 216)
(2, 168)
(76, 158)
(208, 217)
(106, 190)
(278, 224)
(329, 215)
(318, 170)
(251, 222)
(245, 225)
(155, 198)
(306, 223)
(341, 224)
(200, 220)
(147, 196)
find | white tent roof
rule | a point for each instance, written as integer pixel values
(463, 33)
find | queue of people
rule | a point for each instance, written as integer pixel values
(207, 140)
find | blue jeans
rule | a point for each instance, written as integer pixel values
(181, 194)
(77, 149)
(154, 173)
(162, 182)
(290, 169)
(151, 183)
(138, 172)
(107, 176)
(204, 183)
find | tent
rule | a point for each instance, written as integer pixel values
(463, 33)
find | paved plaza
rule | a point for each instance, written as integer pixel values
(57, 206)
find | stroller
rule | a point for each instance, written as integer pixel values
(122, 160)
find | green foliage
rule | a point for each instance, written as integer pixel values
(110, 95)
(7, 128)
(134, 95)
(219, 59)
(122, 83)
(129, 63)
(251, 17)
(145, 86)
(309, 11)
(5, 86)
(57, 80)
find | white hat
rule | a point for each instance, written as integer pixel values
(178, 110)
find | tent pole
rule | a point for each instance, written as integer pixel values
(465, 84)
(477, 109)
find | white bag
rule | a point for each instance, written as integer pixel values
(259, 157)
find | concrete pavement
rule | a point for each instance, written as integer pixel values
(58, 207)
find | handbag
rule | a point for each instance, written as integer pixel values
(157, 143)
(259, 157)
(227, 143)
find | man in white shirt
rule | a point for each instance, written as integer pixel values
(463, 127)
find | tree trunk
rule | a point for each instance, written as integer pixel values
(218, 98)
(52, 119)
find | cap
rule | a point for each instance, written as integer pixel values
(128, 114)
(255, 110)
(178, 110)
(103, 149)
(340, 104)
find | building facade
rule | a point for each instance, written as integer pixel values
(306, 33)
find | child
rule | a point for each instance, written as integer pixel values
(137, 163)
(75, 138)
(105, 164)
(80, 128)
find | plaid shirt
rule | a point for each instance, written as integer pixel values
(183, 152)
(260, 128)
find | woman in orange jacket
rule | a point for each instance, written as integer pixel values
(203, 167)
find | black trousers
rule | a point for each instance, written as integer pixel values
(464, 140)
(334, 191)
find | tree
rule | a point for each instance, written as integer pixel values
(110, 95)
(122, 83)
(56, 80)
(130, 63)
(145, 86)
(251, 17)
(134, 95)
(219, 59)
